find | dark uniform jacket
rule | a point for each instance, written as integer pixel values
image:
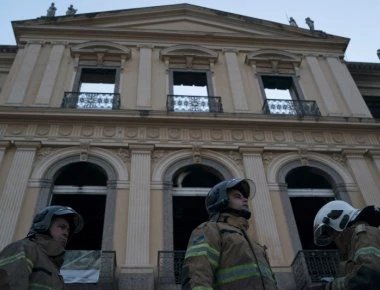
(32, 264)
(221, 256)
(359, 248)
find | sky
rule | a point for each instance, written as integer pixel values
(356, 20)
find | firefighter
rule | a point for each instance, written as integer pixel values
(220, 255)
(357, 236)
(35, 261)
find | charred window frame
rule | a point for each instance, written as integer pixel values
(97, 76)
(193, 82)
(280, 87)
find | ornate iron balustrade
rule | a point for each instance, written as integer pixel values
(181, 103)
(83, 100)
(169, 264)
(291, 107)
(311, 266)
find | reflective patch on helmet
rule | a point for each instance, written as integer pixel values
(199, 239)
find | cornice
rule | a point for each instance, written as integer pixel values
(140, 36)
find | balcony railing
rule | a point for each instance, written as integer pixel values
(169, 264)
(181, 103)
(84, 100)
(314, 266)
(291, 107)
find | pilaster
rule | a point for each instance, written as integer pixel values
(348, 88)
(236, 82)
(325, 90)
(144, 91)
(25, 73)
(264, 216)
(139, 207)
(14, 189)
(363, 176)
(50, 76)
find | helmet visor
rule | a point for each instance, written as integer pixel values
(324, 235)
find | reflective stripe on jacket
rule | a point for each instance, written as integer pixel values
(221, 256)
(360, 254)
(33, 264)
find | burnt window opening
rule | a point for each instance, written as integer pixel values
(92, 209)
(373, 104)
(190, 211)
(97, 80)
(82, 186)
(305, 206)
(190, 83)
(308, 177)
(279, 87)
(196, 176)
(81, 174)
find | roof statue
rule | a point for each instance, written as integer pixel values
(292, 22)
(378, 53)
(51, 10)
(71, 10)
(310, 23)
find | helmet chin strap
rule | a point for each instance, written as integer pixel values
(242, 213)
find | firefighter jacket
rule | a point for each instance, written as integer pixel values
(32, 264)
(221, 256)
(359, 249)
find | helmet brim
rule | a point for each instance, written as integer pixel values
(246, 186)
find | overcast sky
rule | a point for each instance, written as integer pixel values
(357, 20)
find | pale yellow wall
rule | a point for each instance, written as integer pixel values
(334, 86)
(7, 87)
(129, 86)
(160, 82)
(27, 213)
(156, 224)
(120, 226)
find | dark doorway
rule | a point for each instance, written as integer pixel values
(188, 213)
(304, 210)
(92, 208)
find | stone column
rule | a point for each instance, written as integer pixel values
(138, 273)
(144, 91)
(50, 76)
(323, 85)
(25, 73)
(263, 213)
(14, 189)
(363, 176)
(348, 88)
(236, 83)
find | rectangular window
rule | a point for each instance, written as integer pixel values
(190, 91)
(281, 95)
(96, 88)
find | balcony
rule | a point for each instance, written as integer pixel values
(291, 107)
(84, 100)
(89, 270)
(182, 103)
(169, 265)
(315, 266)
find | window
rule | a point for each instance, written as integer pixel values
(98, 65)
(190, 81)
(373, 103)
(96, 88)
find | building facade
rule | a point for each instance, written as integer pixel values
(131, 116)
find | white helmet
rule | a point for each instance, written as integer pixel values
(331, 219)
